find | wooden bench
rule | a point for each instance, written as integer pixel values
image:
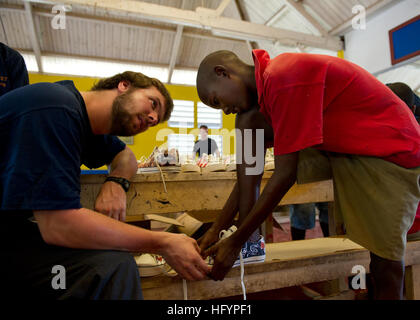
(287, 264)
(203, 196)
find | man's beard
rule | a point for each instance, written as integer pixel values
(121, 119)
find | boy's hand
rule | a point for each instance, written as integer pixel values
(208, 239)
(225, 254)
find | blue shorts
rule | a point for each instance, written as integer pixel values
(302, 216)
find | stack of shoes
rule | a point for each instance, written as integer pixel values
(269, 160)
(188, 164)
(203, 160)
(160, 159)
(231, 163)
(213, 164)
(151, 265)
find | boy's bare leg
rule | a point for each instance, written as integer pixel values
(387, 278)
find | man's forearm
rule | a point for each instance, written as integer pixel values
(124, 164)
(87, 229)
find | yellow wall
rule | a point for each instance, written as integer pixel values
(145, 142)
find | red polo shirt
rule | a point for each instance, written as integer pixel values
(334, 105)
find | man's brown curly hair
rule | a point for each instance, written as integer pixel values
(137, 80)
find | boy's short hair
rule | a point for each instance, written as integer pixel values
(203, 126)
(137, 80)
(205, 69)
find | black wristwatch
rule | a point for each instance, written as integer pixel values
(123, 182)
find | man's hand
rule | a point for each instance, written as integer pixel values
(183, 254)
(225, 254)
(112, 201)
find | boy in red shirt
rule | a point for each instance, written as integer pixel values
(319, 110)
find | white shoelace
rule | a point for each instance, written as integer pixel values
(185, 289)
(227, 233)
(242, 274)
(161, 173)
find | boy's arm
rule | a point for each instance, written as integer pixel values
(280, 182)
(250, 173)
(243, 200)
(224, 220)
(253, 208)
(283, 178)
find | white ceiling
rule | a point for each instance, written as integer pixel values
(174, 34)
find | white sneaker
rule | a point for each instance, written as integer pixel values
(151, 264)
(227, 233)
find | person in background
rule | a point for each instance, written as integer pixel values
(303, 217)
(205, 145)
(404, 92)
(13, 72)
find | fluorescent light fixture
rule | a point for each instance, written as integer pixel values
(101, 69)
(90, 67)
(182, 76)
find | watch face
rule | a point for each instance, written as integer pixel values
(126, 185)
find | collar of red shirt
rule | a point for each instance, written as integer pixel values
(261, 60)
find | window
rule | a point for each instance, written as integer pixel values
(210, 117)
(183, 114)
(183, 142)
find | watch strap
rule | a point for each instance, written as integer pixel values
(124, 183)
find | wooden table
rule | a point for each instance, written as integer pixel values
(294, 263)
(200, 195)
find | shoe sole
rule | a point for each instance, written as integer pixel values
(250, 260)
(150, 271)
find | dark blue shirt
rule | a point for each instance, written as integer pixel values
(45, 136)
(208, 146)
(13, 72)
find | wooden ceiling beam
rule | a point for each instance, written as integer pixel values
(205, 18)
(306, 17)
(33, 35)
(188, 32)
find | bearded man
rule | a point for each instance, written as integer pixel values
(47, 131)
